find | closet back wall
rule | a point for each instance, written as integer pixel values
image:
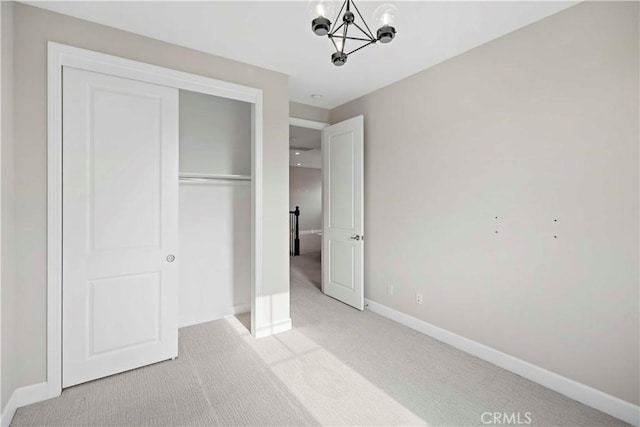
(215, 134)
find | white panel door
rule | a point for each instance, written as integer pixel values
(343, 213)
(120, 225)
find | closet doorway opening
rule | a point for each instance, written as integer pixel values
(214, 209)
(305, 199)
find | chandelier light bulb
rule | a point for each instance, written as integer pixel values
(385, 17)
(385, 14)
(321, 13)
(321, 8)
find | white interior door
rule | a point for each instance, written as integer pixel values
(343, 213)
(120, 225)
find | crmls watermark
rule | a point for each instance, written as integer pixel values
(506, 418)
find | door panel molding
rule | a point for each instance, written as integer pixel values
(60, 56)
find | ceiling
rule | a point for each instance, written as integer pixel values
(277, 36)
(304, 138)
(308, 154)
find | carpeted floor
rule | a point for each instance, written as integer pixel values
(338, 366)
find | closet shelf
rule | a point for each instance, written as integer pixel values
(203, 177)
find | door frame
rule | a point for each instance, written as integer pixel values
(311, 124)
(59, 56)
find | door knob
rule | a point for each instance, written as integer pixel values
(171, 258)
(356, 237)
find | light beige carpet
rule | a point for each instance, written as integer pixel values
(338, 366)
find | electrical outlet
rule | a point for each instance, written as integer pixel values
(390, 289)
(418, 298)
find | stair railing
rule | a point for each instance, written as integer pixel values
(294, 232)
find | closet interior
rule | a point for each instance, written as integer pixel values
(214, 208)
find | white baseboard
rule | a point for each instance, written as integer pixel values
(241, 308)
(23, 396)
(273, 328)
(9, 410)
(589, 396)
(197, 318)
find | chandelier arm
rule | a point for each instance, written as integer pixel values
(364, 32)
(334, 44)
(361, 47)
(363, 20)
(332, 34)
(344, 33)
(337, 16)
(352, 38)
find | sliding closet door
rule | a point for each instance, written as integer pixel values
(120, 225)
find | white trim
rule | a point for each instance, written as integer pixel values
(193, 175)
(1, 224)
(9, 411)
(241, 309)
(54, 221)
(589, 396)
(309, 124)
(272, 329)
(198, 318)
(113, 65)
(60, 55)
(256, 209)
(218, 181)
(24, 396)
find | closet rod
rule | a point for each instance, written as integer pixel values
(207, 176)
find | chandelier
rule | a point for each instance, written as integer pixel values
(321, 12)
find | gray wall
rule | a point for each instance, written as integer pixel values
(537, 126)
(215, 134)
(308, 112)
(7, 291)
(33, 28)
